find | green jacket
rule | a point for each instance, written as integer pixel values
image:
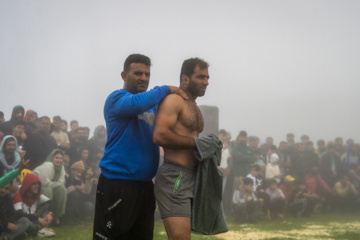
(5, 180)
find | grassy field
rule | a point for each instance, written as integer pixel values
(320, 226)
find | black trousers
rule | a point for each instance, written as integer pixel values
(124, 210)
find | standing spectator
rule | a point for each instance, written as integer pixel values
(97, 142)
(18, 131)
(64, 126)
(17, 115)
(321, 148)
(310, 158)
(290, 138)
(242, 157)
(60, 137)
(77, 144)
(40, 144)
(225, 155)
(52, 176)
(339, 145)
(330, 165)
(74, 124)
(350, 157)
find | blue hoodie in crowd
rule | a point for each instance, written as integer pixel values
(129, 151)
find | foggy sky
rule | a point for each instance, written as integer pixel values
(275, 66)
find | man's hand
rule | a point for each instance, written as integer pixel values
(23, 164)
(12, 227)
(178, 91)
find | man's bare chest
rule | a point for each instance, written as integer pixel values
(191, 117)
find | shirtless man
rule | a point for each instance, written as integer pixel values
(177, 122)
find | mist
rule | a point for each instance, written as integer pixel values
(275, 66)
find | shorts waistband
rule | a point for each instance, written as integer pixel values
(180, 166)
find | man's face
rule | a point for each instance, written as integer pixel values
(56, 124)
(136, 78)
(85, 154)
(19, 114)
(2, 119)
(74, 126)
(63, 127)
(248, 187)
(198, 82)
(5, 190)
(81, 135)
(45, 125)
(242, 139)
(10, 146)
(18, 130)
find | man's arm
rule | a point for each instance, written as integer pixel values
(165, 122)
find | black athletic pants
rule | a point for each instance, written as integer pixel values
(124, 210)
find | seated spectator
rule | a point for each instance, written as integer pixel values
(317, 186)
(16, 115)
(345, 195)
(259, 161)
(254, 175)
(330, 165)
(354, 176)
(78, 143)
(11, 226)
(272, 170)
(301, 202)
(37, 208)
(60, 137)
(40, 144)
(79, 205)
(52, 176)
(246, 207)
(84, 156)
(9, 157)
(30, 119)
(287, 187)
(277, 199)
(18, 131)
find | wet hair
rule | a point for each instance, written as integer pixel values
(190, 64)
(16, 123)
(136, 58)
(248, 181)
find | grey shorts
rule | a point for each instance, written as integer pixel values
(174, 189)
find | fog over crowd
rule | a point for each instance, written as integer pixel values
(275, 66)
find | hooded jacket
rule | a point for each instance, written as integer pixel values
(26, 207)
(6, 127)
(4, 166)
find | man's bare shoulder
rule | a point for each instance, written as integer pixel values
(172, 100)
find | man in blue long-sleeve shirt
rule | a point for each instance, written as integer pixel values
(125, 201)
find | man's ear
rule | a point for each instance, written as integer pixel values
(185, 80)
(123, 75)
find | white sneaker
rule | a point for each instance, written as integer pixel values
(45, 232)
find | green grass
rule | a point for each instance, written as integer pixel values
(319, 226)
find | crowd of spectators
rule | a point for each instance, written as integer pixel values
(295, 178)
(58, 185)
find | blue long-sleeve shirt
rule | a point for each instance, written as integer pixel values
(129, 151)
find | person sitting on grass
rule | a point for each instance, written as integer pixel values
(287, 187)
(52, 176)
(301, 202)
(11, 226)
(345, 195)
(37, 208)
(246, 207)
(277, 199)
(79, 205)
